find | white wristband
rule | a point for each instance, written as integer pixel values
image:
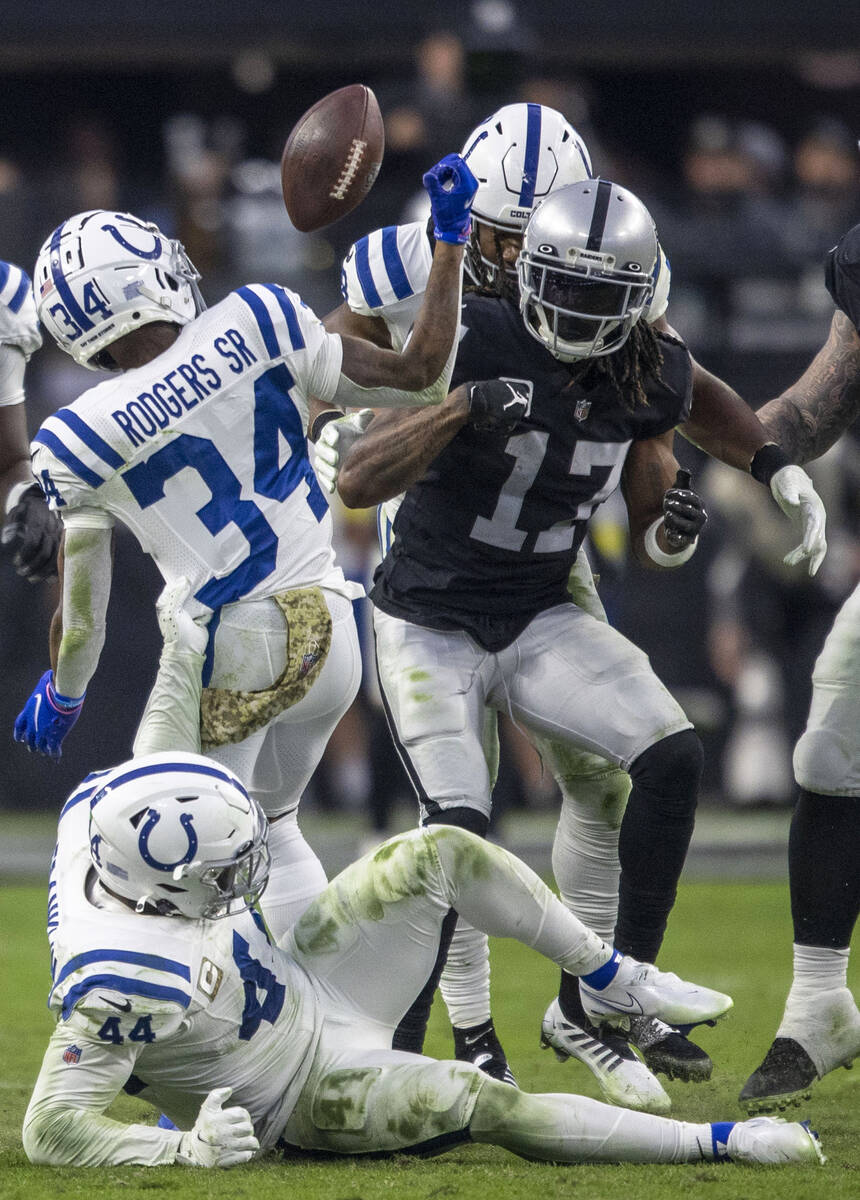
(659, 556)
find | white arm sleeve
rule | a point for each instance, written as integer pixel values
(65, 1125)
(86, 590)
(12, 363)
(351, 395)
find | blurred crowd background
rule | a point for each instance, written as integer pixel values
(737, 125)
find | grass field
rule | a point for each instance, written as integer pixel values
(733, 936)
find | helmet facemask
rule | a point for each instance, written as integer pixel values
(492, 275)
(580, 312)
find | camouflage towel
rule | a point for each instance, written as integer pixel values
(228, 716)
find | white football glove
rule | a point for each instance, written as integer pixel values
(221, 1137)
(794, 493)
(335, 442)
(178, 628)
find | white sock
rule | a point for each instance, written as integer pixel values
(465, 982)
(295, 879)
(818, 969)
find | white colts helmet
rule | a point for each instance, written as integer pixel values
(179, 834)
(587, 269)
(518, 155)
(102, 274)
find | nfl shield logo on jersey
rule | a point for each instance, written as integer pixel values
(72, 1054)
(582, 409)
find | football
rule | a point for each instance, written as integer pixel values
(332, 157)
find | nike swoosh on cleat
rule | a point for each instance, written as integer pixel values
(124, 1007)
(633, 1007)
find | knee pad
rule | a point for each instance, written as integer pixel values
(671, 770)
(824, 762)
(465, 818)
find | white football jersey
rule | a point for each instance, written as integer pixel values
(19, 325)
(174, 1000)
(385, 274)
(202, 452)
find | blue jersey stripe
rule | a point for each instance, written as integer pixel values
(209, 658)
(383, 531)
(263, 319)
(296, 339)
(162, 769)
(46, 438)
(129, 987)
(372, 297)
(90, 438)
(75, 310)
(5, 270)
(531, 157)
(138, 959)
(394, 263)
(20, 295)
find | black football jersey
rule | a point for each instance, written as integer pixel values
(486, 539)
(842, 275)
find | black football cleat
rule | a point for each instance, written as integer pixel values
(666, 1051)
(784, 1079)
(480, 1046)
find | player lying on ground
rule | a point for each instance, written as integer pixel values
(166, 985)
(198, 445)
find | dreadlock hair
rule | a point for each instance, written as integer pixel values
(628, 369)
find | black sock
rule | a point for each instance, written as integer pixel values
(569, 999)
(824, 869)
(654, 838)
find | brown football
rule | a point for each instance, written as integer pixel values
(332, 157)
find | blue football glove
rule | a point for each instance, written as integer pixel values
(46, 718)
(451, 187)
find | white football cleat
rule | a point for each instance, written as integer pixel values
(642, 990)
(773, 1140)
(623, 1079)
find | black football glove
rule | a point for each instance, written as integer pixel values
(32, 532)
(495, 406)
(684, 513)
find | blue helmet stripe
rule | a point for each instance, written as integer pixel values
(90, 438)
(163, 769)
(76, 799)
(287, 308)
(46, 438)
(75, 310)
(365, 277)
(138, 959)
(532, 154)
(394, 263)
(18, 299)
(263, 319)
(130, 987)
